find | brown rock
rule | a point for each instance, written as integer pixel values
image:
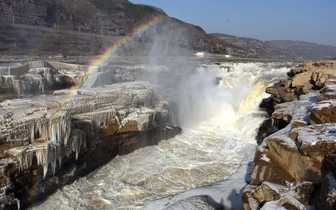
(316, 141)
(298, 123)
(265, 193)
(327, 96)
(321, 75)
(327, 198)
(323, 112)
(301, 168)
(280, 93)
(297, 70)
(266, 168)
(300, 79)
(328, 91)
(271, 196)
(303, 192)
(305, 89)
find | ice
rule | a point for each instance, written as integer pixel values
(316, 133)
(265, 158)
(76, 142)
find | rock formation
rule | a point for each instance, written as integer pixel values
(90, 27)
(295, 166)
(49, 140)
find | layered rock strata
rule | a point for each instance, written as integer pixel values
(48, 141)
(295, 166)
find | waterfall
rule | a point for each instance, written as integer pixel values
(219, 123)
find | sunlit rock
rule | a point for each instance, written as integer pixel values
(274, 196)
(323, 112)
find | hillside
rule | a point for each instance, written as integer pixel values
(255, 48)
(89, 27)
(279, 49)
(307, 50)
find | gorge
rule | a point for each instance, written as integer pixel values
(219, 121)
(103, 105)
(56, 133)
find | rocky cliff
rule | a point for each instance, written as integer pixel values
(294, 166)
(57, 132)
(89, 27)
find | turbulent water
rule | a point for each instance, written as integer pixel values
(218, 132)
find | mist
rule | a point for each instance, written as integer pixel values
(195, 90)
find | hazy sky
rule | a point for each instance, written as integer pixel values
(306, 20)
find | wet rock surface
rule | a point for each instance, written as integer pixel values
(50, 140)
(294, 166)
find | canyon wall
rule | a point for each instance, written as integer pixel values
(56, 132)
(294, 166)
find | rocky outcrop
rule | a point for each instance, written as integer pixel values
(47, 141)
(299, 155)
(90, 27)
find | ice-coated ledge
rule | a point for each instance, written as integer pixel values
(77, 131)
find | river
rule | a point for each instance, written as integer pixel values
(219, 126)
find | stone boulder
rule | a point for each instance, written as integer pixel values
(323, 112)
(295, 156)
(300, 79)
(328, 92)
(273, 196)
(303, 149)
(309, 77)
(280, 93)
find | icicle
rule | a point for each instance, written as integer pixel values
(32, 133)
(40, 156)
(45, 168)
(51, 155)
(17, 203)
(41, 86)
(17, 86)
(59, 155)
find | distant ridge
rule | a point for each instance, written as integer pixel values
(307, 50)
(281, 49)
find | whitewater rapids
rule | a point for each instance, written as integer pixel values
(219, 132)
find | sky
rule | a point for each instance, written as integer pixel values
(303, 20)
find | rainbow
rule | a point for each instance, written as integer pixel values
(114, 47)
(111, 50)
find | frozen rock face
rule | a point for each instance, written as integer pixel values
(50, 140)
(39, 77)
(302, 147)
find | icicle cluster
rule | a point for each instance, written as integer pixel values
(60, 127)
(76, 142)
(45, 125)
